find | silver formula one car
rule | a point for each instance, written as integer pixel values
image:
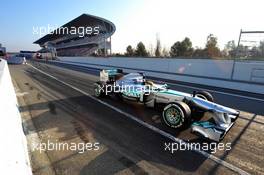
(179, 108)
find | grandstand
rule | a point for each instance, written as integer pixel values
(94, 38)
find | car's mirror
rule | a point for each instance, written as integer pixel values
(166, 86)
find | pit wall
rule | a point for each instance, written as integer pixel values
(13, 147)
(238, 75)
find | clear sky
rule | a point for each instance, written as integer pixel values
(135, 20)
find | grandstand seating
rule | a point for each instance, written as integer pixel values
(73, 44)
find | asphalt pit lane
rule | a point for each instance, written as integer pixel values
(39, 96)
(80, 131)
(132, 166)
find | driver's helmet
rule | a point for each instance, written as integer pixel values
(139, 80)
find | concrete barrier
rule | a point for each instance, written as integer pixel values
(251, 71)
(13, 147)
(214, 68)
(238, 75)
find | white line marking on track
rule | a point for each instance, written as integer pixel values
(157, 130)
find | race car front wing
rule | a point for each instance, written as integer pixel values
(215, 130)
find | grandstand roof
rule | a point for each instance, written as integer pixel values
(83, 20)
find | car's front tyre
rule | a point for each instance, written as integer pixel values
(176, 115)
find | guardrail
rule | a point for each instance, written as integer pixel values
(13, 147)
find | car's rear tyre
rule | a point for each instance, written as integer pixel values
(205, 95)
(99, 89)
(176, 115)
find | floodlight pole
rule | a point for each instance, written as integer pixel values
(238, 42)
(233, 67)
(243, 32)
